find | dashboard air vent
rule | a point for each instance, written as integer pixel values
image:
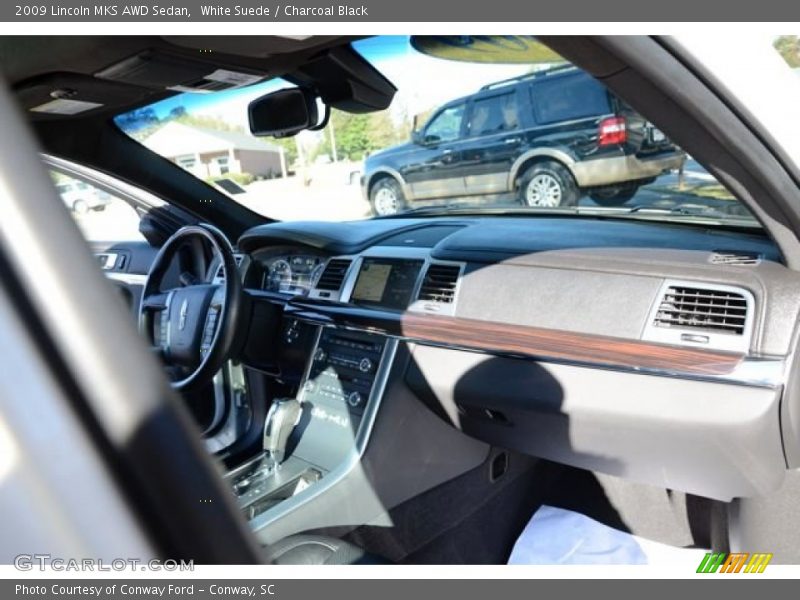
(734, 258)
(440, 284)
(333, 275)
(703, 309)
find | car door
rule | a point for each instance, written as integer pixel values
(122, 225)
(494, 141)
(436, 171)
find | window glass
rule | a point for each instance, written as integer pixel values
(446, 126)
(340, 173)
(100, 216)
(568, 98)
(494, 114)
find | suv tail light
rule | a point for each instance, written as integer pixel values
(612, 131)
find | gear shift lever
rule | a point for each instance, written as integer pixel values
(283, 415)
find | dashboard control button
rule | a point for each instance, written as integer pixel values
(292, 333)
(365, 366)
(354, 399)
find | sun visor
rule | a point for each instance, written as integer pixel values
(57, 95)
(163, 71)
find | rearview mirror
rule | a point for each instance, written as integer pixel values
(283, 113)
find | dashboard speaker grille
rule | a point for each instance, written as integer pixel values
(439, 284)
(702, 309)
(333, 275)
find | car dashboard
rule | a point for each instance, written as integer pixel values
(653, 352)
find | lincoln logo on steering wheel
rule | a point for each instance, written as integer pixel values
(183, 313)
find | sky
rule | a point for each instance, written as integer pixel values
(423, 82)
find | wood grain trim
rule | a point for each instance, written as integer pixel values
(566, 346)
(521, 340)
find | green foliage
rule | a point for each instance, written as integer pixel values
(141, 123)
(788, 46)
(357, 135)
(202, 121)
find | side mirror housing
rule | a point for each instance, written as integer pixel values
(419, 138)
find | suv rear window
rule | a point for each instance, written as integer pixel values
(567, 98)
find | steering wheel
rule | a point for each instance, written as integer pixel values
(192, 327)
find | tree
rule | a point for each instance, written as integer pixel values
(139, 123)
(177, 112)
(788, 46)
(359, 134)
(204, 121)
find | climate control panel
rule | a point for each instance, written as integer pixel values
(343, 369)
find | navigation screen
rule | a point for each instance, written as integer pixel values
(386, 282)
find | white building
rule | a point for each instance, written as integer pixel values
(211, 153)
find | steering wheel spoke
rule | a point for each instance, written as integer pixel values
(193, 326)
(155, 302)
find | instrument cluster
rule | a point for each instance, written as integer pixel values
(291, 272)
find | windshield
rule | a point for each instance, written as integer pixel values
(523, 131)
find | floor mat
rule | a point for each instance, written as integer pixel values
(559, 536)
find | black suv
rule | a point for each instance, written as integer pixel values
(547, 138)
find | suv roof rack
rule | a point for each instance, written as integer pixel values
(535, 75)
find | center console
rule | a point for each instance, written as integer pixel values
(306, 439)
(314, 443)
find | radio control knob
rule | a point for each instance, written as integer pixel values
(354, 399)
(365, 366)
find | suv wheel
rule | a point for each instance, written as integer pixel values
(387, 197)
(547, 185)
(614, 197)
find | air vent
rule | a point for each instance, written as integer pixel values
(711, 310)
(333, 275)
(440, 284)
(735, 258)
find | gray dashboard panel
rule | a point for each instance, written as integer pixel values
(715, 440)
(710, 438)
(584, 286)
(592, 302)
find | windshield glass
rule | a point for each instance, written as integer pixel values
(520, 131)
